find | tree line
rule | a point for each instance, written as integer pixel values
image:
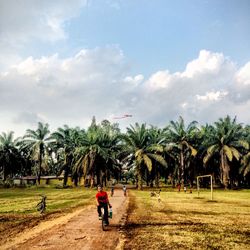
(144, 153)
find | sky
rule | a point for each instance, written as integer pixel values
(63, 62)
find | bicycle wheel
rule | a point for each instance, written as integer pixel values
(38, 206)
(104, 225)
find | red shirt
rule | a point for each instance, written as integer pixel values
(102, 197)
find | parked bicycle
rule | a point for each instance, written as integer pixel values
(41, 206)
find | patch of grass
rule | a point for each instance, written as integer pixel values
(181, 221)
(23, 201)
(18, 206)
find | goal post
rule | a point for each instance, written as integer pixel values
(211, 183)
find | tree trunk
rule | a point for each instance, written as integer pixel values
(172, 180)
(136, 182)
(225, 170)
(151, 183)
(92, 181)
(148, 177)
(165, 180)
(139, 178)
(182, 167)
(39, 169)
(4, 173)
(75, 179)
(98, 178)
(157, 184)
(65, 177)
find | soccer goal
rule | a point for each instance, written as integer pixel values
(211, 183)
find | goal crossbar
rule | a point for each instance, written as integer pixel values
(211, 182)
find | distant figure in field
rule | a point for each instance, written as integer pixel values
(124, 190)
(185, 189)
(112, 190)
(179, 187)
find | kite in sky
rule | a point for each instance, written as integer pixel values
(122, 117)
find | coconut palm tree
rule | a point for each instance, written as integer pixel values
(37, 142)
(137, 144)
(9, 154)
(181, 139)
(226, 142)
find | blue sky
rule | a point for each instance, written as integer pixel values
(163, 59)
(159, 34)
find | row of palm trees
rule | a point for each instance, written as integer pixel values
(176, 152)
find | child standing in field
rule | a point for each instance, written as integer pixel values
(124, 190)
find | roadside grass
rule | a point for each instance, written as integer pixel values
(18, 206)
(184, 221)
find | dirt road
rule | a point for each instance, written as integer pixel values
(78, 230)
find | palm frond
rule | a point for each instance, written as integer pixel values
(228, 152)
(159, 159)
(243, 144)
(235, 153)
(147, 162)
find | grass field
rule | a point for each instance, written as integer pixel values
(18, 206)
(182, 221)
(178, 221)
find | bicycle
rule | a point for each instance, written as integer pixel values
(41, 206)
(105, 223)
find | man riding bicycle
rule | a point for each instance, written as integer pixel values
(102, 200)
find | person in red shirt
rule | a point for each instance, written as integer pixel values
(102, 200)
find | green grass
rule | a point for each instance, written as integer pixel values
(182, 221)
(18, 206)
(23, 201)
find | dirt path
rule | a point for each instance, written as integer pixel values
(78, 230)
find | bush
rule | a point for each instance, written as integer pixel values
(7, 183)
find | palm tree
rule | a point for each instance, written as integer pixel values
(181, 139)
(137, 144)
(37, 141)
(225, 142)
(245, 169)
(65, 141)
(96, 156)
(158, 138)
(9, 155)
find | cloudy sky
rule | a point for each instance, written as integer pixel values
(63, 62)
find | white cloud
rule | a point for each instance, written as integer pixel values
(32, 67)
(243, 76)
(28, 23)
(212, 96)
(28, 19)
(160, 79)
(97, 82)
(207, 62)
(65, 90)
(134, 80)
